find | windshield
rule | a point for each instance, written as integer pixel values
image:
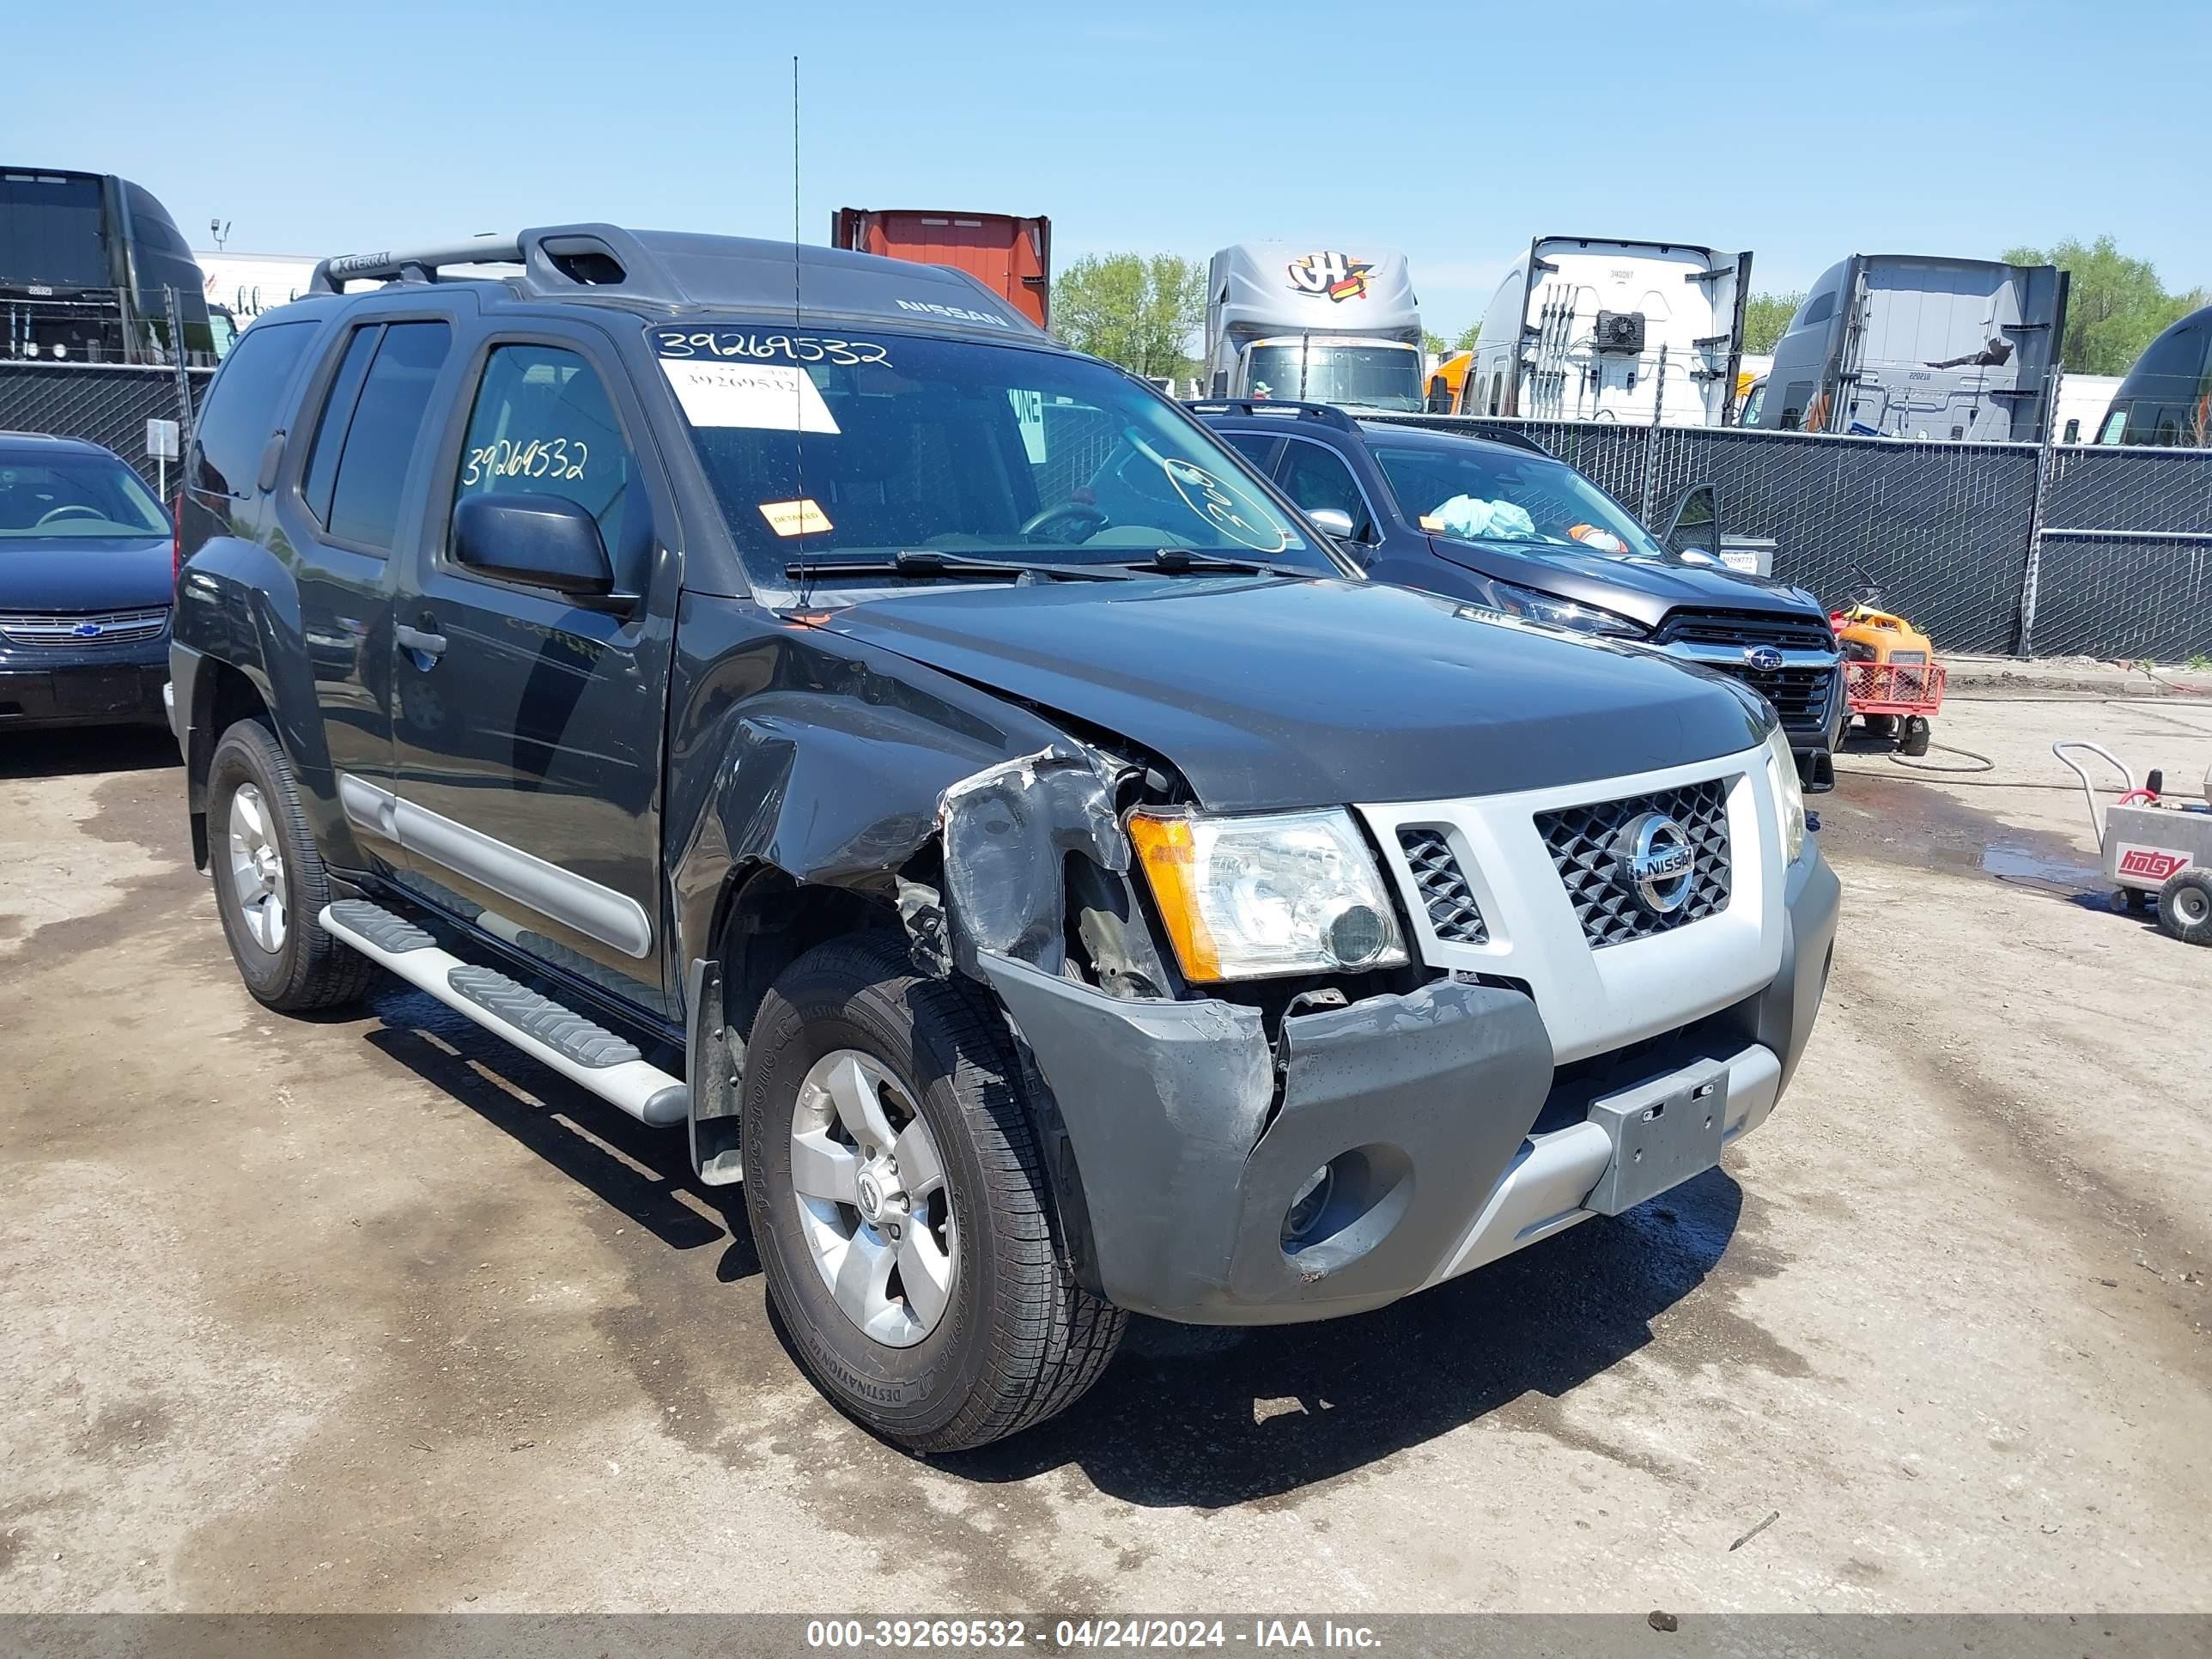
(820, 447)
(50, 230)
(76, 496)
(1481, 493)
(1373, 376)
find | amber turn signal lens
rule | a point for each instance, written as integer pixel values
(1168, 851)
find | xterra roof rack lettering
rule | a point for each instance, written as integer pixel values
(1214, 938)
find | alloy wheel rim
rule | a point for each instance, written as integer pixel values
(873, 1205)
(257, 869)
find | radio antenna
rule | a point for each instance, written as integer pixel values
(797, 369)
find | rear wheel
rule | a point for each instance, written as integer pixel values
(2184, 906)
(270, 884)
(899, 1205)
(1880, 725)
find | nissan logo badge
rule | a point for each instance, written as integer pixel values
(1655, 861)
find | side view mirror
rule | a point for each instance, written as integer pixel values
(1333, 519)
(548, 541)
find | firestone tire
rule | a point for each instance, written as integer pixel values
(2184, 906)
(270, 884)
(1015, 1340)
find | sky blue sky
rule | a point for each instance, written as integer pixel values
(1805, 130)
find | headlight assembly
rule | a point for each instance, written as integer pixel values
(1789, 794)
(1529, 606)
(1257, 897)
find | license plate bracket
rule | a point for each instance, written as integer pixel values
(1663, 1132)
(98, 690)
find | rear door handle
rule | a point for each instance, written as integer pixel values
(416, 639)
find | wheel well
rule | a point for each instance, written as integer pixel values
(769, 920)
(222, 697)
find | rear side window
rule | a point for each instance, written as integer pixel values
(241, 409)
(337, 411)
(1257, 447)
(375, 441)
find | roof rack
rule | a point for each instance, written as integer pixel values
(1477, 427)
(422, 264)
(1327, 413)
(569, 256)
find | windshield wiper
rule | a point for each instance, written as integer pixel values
(1181, 560)
(917, 563)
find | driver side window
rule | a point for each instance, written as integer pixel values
(542, 424)
(1316, 478)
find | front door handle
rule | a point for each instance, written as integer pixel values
(419, 640)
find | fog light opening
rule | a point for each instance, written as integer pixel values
(1357, 935)
(1307, 1204)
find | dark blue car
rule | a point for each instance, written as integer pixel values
(85, 569)
(1493, 518)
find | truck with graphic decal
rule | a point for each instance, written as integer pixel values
(1313, 324)
(782, 694)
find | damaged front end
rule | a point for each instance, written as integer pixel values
(1263, 1153)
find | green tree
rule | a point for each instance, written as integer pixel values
(1765, 316)
(1437, 346)
(1143, 313)
(2115, 306)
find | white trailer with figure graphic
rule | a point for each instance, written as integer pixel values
(1596, 328)
(1314, 323)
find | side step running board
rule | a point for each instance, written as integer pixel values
(549, 1033)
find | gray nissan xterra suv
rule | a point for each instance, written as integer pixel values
(789, 695)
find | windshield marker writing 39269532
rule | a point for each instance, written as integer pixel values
(723, 344)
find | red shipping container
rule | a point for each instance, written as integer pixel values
(1010, 255)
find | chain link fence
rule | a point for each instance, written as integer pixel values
(2047, 550)
(110, 405)
(2061, 550)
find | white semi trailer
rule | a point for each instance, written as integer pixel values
(1600, 328)
(1313, 324)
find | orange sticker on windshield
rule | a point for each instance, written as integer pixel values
(799, 517)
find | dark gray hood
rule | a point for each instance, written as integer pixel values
(1643, 590)
(1269, 693)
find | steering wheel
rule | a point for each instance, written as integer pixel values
(69, 510)
(1082, 519)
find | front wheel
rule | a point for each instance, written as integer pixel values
(899, 1206)
(1913, 736)
(270, 884)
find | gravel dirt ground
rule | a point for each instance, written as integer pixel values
(366, 1313)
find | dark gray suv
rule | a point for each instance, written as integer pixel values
(1497, 521)
(791, 697)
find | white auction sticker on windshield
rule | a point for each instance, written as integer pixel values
(1225, 505)
(770, 397)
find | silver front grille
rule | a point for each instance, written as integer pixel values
(1445, 895)
(1582, 842)
(93, 627)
